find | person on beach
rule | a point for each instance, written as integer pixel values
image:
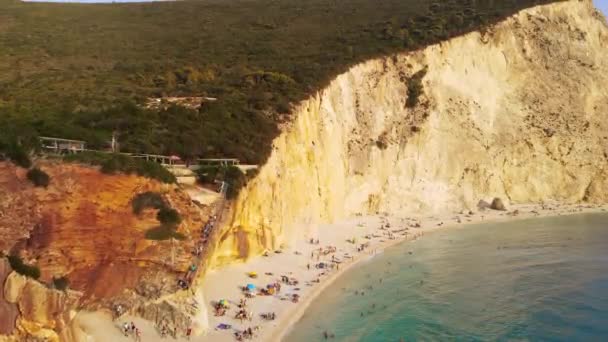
(137, 335)
(125, 328)
(118, 310)
(188, 333)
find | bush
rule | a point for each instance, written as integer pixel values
(87, 157)
(236, 180)
(24, 269)
(161, 233)
(207, 174)
(61, 283)
(415, 88)
(153, 170)
(232, 175)
(18, 155)
(168, 217)
(117, 163)
(38, 177)
(113, 163)
(148, 199)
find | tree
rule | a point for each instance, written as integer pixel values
(168, 217)
(38, 177)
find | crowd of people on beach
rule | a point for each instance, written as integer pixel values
(240, 316)
(323, 259)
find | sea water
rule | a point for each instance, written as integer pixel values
(528, 280)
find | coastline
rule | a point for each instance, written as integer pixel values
(289, 321)
(289, 316)
(293, 261)
(559, 210)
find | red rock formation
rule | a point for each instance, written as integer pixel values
(82, 226)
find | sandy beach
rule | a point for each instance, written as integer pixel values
(298, 260)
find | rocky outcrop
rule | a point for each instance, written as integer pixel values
(82, 226)
(519, 111)
(42, 313)
(8, 306)
(171, 316)
(497, 204)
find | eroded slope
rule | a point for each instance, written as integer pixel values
(82, 227)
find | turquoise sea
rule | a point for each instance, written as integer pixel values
(529, 280)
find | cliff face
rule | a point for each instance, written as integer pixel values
(42, 312)
(83, 227)
(519, 111)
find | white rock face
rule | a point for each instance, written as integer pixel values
(519, 112)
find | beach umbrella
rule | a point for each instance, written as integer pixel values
(253, 274)
(250, 287)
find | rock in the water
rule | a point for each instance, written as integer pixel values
(497, 204)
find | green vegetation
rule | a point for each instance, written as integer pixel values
(20, 267)
(38, 177)
(232, 175)
(208, 174)
(236, 180)
(15, 153)
(112, 163)
(77, 71)
(168, 217)
(61, 283)
(148, 199)
(415, 88)
(164, 233)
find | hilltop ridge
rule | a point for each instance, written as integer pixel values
(80, 71)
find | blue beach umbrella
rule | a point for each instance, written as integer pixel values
(250, 287)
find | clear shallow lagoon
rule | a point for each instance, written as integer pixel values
(530, 280)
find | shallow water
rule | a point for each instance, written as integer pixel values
(530, 280)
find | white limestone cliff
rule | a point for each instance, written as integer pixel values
(519, 112)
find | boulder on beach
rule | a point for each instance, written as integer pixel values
(482, 205)
(497, 204)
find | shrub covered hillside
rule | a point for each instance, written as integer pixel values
(82, 71)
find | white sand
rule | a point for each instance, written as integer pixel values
(225, 283)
